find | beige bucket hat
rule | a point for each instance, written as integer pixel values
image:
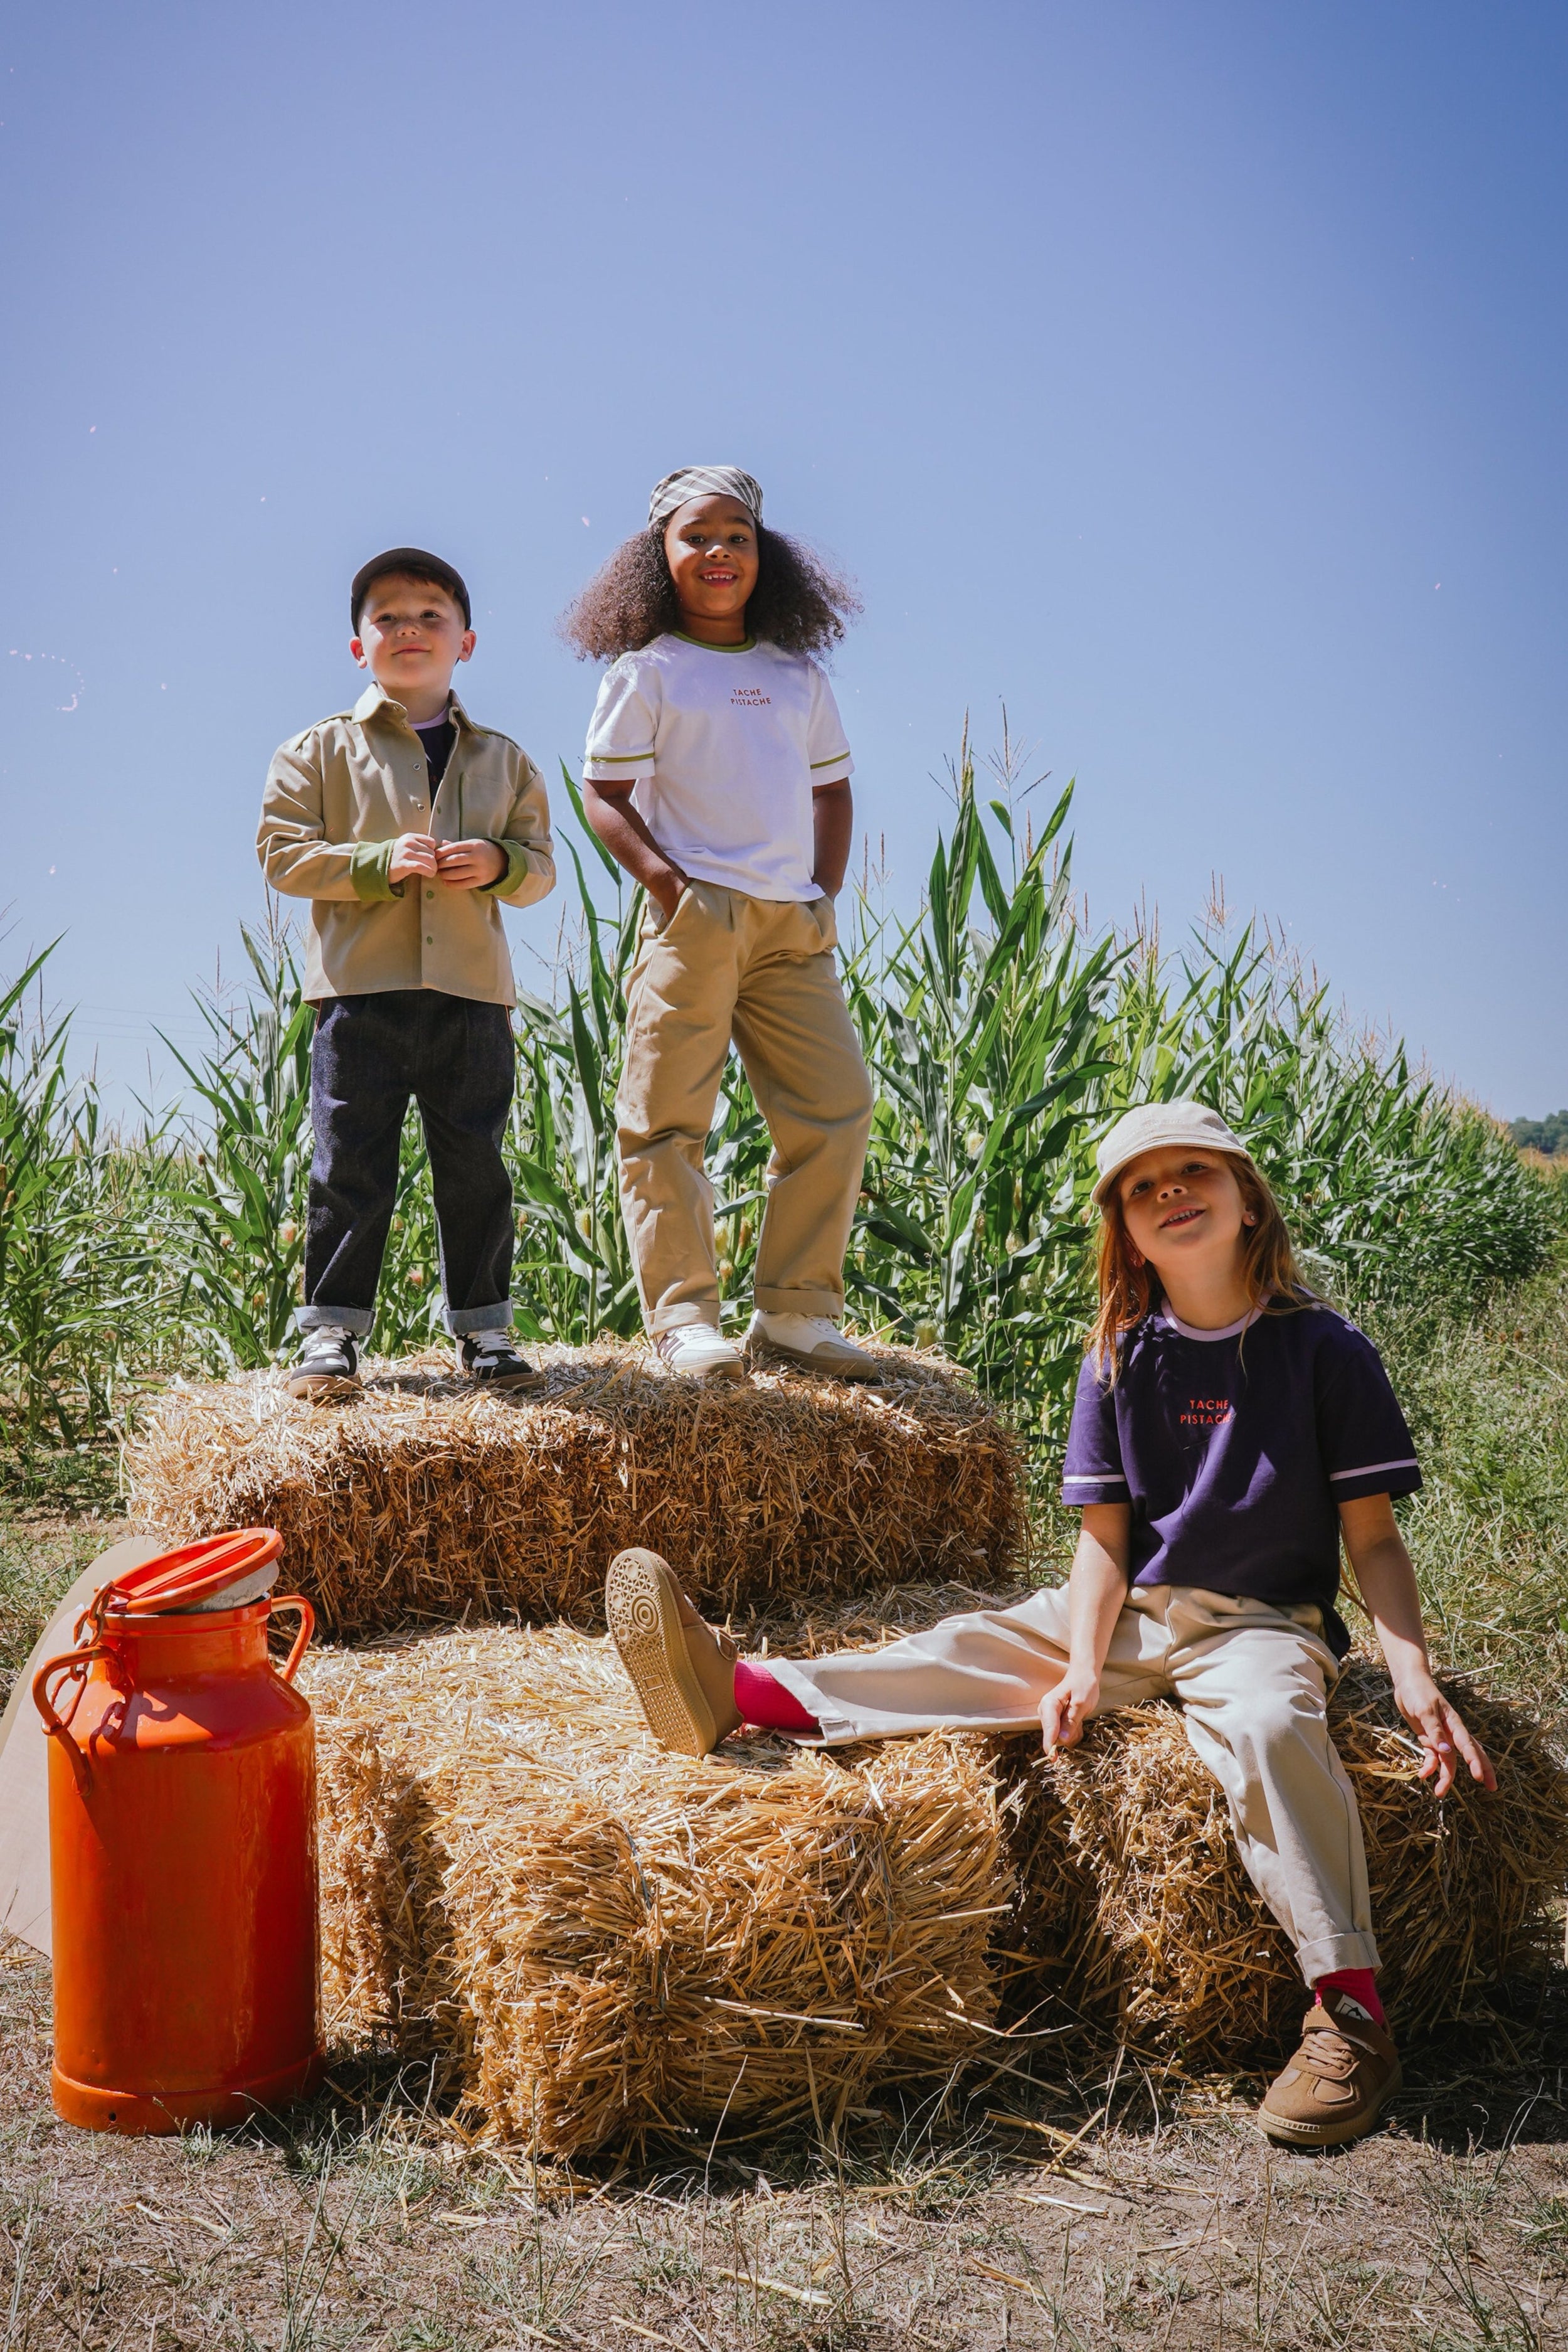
(1151, 1127)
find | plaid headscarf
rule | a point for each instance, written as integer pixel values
(702, 482)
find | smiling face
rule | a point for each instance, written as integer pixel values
(412, 637)
(1184, 1210)
(710, 545)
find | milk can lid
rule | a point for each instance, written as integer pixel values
(220, 1573)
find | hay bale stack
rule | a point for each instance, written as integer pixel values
(605, 1940)
(1136, 1899)
(423, 1501)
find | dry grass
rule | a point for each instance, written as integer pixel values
(597, 1940)
(366, 2222)
(425, 1502)
(1136, 1897)
(604, 1940)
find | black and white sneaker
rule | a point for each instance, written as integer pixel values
(490, 1359)
(328, 1364)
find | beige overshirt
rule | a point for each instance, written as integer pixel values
(338, 797)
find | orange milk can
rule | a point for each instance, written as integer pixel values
(183, 1848)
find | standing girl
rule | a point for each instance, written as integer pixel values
(1229, 1430)
(718, 774)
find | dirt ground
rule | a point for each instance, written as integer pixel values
(967, 2221)
(365, 2220)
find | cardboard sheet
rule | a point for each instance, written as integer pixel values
(24, 1757)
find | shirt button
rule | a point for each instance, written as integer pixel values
(430, 894)
(429, 940)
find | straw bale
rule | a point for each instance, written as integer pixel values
(1134, 1899)
(599, 1939)
(424, 1501)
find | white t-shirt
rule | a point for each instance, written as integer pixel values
(726, 744)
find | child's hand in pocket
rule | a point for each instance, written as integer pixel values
(1064, 1711)
(665, 891)
(470, 865)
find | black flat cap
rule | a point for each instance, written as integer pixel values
(417, 564)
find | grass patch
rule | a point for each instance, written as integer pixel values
(40, 1557)
(1487, 1398)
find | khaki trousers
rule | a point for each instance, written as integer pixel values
(761, 972)
(1253, 1684)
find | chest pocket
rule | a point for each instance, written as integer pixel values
(470, 805)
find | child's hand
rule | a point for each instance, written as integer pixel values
(412, 853)
(1064, 1711)
(1442, 1735)
(469, 864)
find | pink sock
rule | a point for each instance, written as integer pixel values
(1362, 1985)
(763, 1700)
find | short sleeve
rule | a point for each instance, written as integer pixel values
(621, 732)
(827, 751)
(1363, 1437)
(1093, 1471)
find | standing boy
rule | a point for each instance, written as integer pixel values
(403, 824)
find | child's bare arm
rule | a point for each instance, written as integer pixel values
(1096, 1591)
(833, 824)
(1388, 1587)
(609, 811)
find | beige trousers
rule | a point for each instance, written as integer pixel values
(1253, 1684)
(761, 972)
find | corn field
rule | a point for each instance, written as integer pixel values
(1003, 1035)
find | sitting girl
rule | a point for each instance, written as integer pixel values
(718, 774)
(1229, 1429)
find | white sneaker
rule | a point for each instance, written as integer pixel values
(328, 1364)
(699, 1349)
(814, 1342)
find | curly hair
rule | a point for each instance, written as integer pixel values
(798, 605)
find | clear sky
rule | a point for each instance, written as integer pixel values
(1188, 376)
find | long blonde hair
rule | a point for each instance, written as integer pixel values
(1128, 1285)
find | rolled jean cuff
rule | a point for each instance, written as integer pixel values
(1329, 1954)
(463, 1321)
(677, 1319)
(774, 1301)
(357, 1319)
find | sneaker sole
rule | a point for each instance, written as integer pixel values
(1293, 2135)
(507, 1383)
(325, 1388)
(736, 1371)
(865, 1376)
(642, 1606)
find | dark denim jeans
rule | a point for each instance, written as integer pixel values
(455, 1057)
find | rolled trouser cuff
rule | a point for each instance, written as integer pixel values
(356, 1320)
(677, 1319)
(774, 1301)
(464, 1321)
(1331, 1953)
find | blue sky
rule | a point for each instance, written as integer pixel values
(1187, 376)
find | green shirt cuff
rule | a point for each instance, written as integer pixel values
(370, 870)
(516, 866)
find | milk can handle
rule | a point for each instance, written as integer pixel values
(307, 1627)
(58, 1726)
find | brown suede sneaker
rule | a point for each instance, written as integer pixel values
(682, 1671)
(1335, 2086)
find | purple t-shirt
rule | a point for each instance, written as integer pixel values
(1235, 1449)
